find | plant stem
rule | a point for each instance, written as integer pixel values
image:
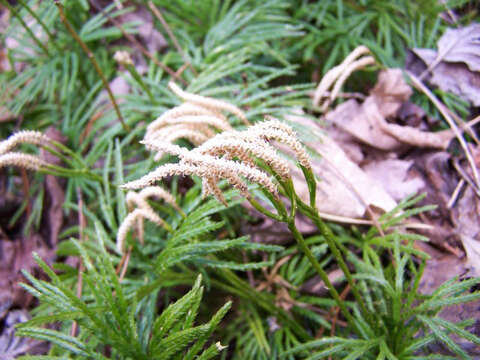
(323, 275)
(26, 27)
(59, 171)
(131, 69)
(264, 211)
(139, 46)
(159, 16)
(91, 57)
(330, 238)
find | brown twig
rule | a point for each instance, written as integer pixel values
(456, 192)
(336, 310)
(445, 112)
(465, 177)
(125, 264)
(160, 17)
(139, 46)
(181, 69)
(91, 58)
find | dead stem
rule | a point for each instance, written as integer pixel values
(91, 57)
(160, 17)
(465, 177)
(444, 111)
(139, 46)
(456, 192)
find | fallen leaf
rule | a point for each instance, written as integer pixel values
(146, 30)
(439, 269)
(452, 77)
(16, 255)
(440, 181)
(461, 45)
(343, 188)
(367, 122)
(411, 114)
(394, 177)
(11, 346)
(390, 92)
(352, 118)
(472, 249)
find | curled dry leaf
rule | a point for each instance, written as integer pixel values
(367, 122)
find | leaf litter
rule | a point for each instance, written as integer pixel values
(387, 140)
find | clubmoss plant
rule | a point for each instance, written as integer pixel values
(136, 291)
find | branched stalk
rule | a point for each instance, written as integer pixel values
(329, 237)
(311, 212)
(264, 211)
(91, 57)
(326, 232)
(323, 275)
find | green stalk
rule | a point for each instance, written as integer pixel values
(330, 238)
(323, 275)
(131, 69)
(312, 186)
(264, 211)
(59, 171)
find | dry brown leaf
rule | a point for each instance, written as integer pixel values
(360, 122)
(343, 189)
(11, 346)
(394, 177)
(367, 122)
(441, 268)
(411, 114)
(452, 77)
(461, 45)
(390, 92)
(472, 249)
